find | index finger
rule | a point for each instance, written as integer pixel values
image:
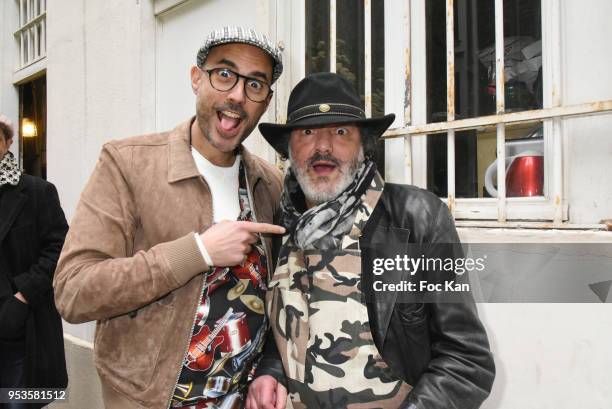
(263, 228)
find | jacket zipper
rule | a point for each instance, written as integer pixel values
(195, 316)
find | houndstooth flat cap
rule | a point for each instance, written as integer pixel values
(234, 34)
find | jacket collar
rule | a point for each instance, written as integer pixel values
(182, 166)
(253, 167)
(180, 162)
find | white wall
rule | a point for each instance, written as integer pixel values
(586, 72)
(100, 75)
(550, 355)
(9, 98)
(547, 355)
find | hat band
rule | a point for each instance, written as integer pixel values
(326, 109)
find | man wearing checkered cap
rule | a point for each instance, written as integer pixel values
(169, 248)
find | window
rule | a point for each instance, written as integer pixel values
(486, 64)
(31, 35)
(475, 95)
(471, 82)
(336, 40)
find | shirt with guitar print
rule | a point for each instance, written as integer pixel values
(229, 329)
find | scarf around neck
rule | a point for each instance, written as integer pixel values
(322, 227)
(9, 170)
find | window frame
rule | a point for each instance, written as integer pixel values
(406, 96)
(290, 28)
(501, 209)
(31, 45)
(32, 13)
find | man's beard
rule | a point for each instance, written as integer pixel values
(205, 118)
(318, 195)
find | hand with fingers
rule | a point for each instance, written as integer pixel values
(229, 242)
(265, 392)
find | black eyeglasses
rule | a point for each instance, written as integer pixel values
(224, 79)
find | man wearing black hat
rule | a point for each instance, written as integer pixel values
(337, 343)
(169, 248)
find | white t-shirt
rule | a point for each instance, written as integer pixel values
(223, 184)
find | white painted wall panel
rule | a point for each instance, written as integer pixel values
(9, 99)
(550, 355)
(587, 63)
(547, 355)
(97, 71)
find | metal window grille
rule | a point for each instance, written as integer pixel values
(31, 36)
(412, 127)
(552, 114)
(367, 6)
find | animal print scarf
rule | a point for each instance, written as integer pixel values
(322, 227)
(9, 170)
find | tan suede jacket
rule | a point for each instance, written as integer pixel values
(131, 261)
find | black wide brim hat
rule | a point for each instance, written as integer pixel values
(323, 99)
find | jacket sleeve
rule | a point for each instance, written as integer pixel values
(35, 283)
(98, 275)
(270, 362)
(461, 370)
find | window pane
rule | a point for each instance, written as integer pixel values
(378, 73)
(523, 54)
(317, 36)
(474, 80)
(524, 162)
(350, 45)
(475, 83)
(350, 48)
(436, 61)
(475, 88)
(476, 162)
(350, 61)
(378, 58)
(466, 172)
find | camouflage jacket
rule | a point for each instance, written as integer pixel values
(436, 347)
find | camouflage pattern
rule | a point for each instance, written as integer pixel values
(321, 326)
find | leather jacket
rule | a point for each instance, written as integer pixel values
(439, 348)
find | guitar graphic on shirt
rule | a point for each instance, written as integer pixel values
(250, 269)
(203, 345)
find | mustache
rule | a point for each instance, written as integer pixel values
(328, 158)
(232, 107)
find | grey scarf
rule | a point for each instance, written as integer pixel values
(9, 170)
(322, 227)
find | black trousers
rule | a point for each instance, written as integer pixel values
(13, 371)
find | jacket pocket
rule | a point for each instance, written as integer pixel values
(411, 349)
(411, 313)
(128, 349)
(389, 235)
(13, 315)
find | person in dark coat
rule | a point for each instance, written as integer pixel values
(32, 231)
